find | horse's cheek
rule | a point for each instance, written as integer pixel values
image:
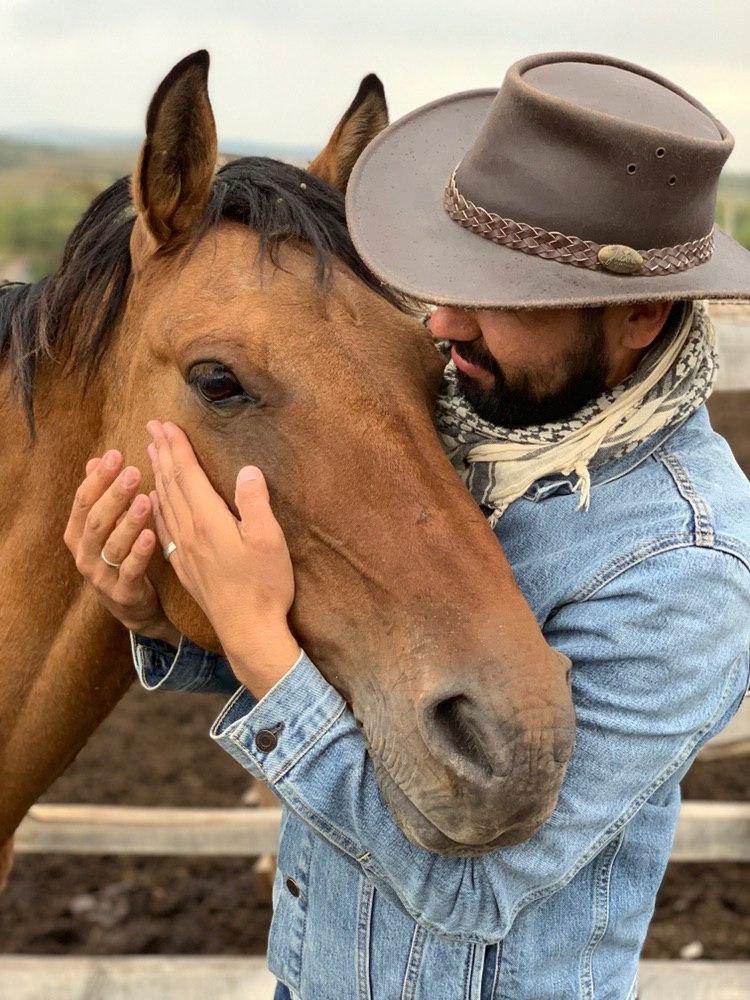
(179, 606)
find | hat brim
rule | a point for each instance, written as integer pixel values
(394, 208)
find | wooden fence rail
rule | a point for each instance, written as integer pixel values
(707, 831)
(182, 977)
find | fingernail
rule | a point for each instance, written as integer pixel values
(139, 505)
(248, 473)
(111, 459)
(129, 477)
(152, 452)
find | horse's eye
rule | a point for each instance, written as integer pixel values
(217, 384)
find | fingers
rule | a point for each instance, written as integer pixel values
(252, 499)
(106, 518)
(174, 508)
(100, 473)
(165, 536)
(103, 516)
(129, 527)
(188, 477)
(134, 565)
(187, 498)
(251, 486)
(161, 526)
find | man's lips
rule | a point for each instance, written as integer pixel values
(468, 367)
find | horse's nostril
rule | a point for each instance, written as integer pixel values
(456, 732)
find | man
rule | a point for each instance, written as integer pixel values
(566, 250)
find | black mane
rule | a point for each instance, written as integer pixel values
(276, 200)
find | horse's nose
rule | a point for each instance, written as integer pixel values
(465, 736)
(482, 742)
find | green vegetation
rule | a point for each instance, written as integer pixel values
(733, 212)
(35, 229)
(44, 189)
(43, 192)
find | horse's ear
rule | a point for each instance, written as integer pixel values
(173, 176)
(365, 117)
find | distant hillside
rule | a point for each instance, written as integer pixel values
(79, 139)
(43, 191)
(733, 209)
(48, 177)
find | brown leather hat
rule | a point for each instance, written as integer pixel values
(583, 181)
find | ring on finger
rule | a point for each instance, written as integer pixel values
(172, 547)
(113, 565)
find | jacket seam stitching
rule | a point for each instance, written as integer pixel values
(620, 564)
(469, 965)
(413, 963)
(324, 828)
(655, 547)
(496, 977)
(304, 908)
(601, 915)
(364, 924)
(704, 532)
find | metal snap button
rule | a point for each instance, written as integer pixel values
(265, 740)
(292, 887)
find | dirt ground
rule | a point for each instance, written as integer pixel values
(154, 750)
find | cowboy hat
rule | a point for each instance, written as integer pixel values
(583, 181)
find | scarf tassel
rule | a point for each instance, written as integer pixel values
(583, 485)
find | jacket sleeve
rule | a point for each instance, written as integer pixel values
(161, 667)
(651, 684)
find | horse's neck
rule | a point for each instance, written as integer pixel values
(64, 661)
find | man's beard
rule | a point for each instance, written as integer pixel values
(525, 401)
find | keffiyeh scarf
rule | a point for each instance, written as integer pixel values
(499, 464)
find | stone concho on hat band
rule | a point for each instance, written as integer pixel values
(614, 258)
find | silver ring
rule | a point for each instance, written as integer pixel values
(172, 547)
(113, 565)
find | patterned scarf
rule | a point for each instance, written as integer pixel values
(674, 377)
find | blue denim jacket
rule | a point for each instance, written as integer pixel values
(648, 593)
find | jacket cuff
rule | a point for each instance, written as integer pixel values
(158, 664)
(268, 737)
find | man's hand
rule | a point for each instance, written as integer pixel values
(108, 517)
(238, 571)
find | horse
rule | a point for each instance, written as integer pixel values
(233, 303)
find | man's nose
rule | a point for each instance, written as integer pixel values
(451, 323)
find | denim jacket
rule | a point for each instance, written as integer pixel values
(648, 593)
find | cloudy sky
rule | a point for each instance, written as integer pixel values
(284, 70)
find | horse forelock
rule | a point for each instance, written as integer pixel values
(73, 314)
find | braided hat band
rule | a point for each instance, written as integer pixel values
(612, 258)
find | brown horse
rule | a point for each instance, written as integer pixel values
(234, 304)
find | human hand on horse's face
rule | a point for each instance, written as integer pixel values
(108, 537)
(238, 571)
